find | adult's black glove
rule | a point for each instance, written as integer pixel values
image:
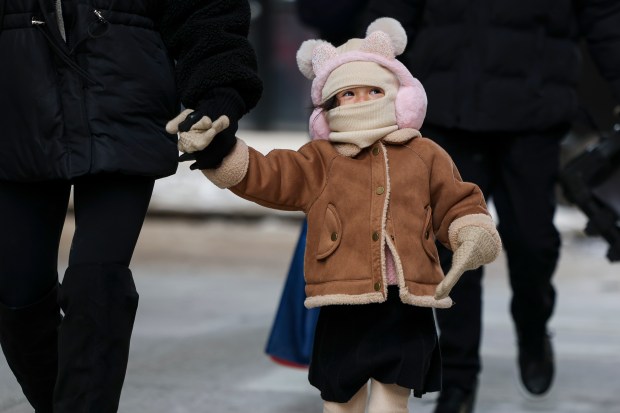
(207, 134)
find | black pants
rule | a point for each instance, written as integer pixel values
(518, 172)
(109, 213)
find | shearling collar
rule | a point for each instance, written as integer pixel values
(396, 137)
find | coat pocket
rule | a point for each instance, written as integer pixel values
(428, 236)
(331, 233)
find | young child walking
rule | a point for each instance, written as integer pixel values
(377, 195)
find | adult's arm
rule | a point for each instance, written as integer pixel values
(216, 66)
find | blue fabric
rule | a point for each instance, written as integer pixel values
(292, 333)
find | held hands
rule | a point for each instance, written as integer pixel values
(476, 246)
(203, 140)
(195, 132)
(213, 124)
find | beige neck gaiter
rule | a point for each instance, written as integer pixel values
(362, 124)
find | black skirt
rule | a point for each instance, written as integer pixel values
(391, 342)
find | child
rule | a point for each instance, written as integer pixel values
(376, 195)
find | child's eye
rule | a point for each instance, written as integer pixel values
(376, 91)
(348, 93)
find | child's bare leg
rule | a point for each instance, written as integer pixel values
(357, 404)
(388, 398)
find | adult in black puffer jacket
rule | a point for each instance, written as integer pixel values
(500, 76)
(86, 89)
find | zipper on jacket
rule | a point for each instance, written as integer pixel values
(61, 53)
(100, 16)
(99, 27)
(57, 44)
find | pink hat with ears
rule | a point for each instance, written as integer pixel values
(385, 39)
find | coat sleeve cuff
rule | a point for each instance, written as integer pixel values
(233, 168)
(478, 220)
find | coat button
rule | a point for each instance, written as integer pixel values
(377, 286)
(375, 236)
(380, 190)
(375, 151)
(334, 236)
(426, 234)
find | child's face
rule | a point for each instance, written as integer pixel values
(359, 94)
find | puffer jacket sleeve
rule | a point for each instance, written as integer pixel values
(209, 41)
(600, 25)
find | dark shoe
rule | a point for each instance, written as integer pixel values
(536, 367)
(455, 400)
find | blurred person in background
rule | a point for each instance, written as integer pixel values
(336, 22)
(376, 195)
(85, 94)
(501, 78)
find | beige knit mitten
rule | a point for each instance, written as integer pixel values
(200, 134)
(475, 246)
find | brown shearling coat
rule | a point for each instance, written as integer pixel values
(403, 191)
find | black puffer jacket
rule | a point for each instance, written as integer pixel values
(99, 101)
(504, 65)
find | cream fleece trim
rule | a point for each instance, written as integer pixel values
(347, 149)
(233, 169)
(333, 299)
(424, 300)
(398, 136)
(386, 205)
(402, 135)
(478, 220)
(370, 298)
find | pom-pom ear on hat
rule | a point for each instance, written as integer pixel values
(312, 54)
(304, 58)
(393, 29)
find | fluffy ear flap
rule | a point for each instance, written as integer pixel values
(410, 105)
(393, 29)
(312, 54)
(318, 126)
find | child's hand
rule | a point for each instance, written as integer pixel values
(476, 247)
(201, 132)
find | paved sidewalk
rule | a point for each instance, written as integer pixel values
(209, 289)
